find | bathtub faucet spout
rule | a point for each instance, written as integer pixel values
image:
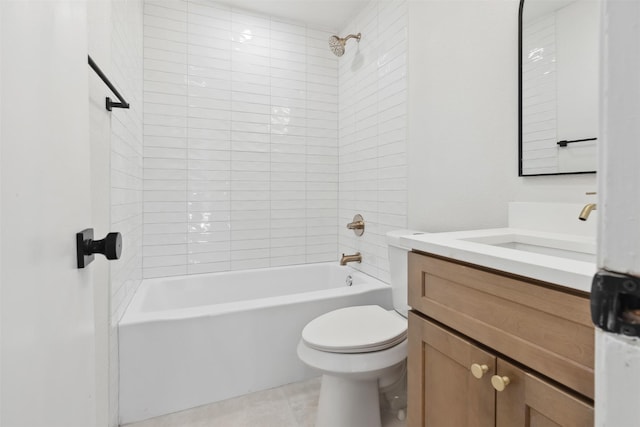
(350, 258)
(584, 214)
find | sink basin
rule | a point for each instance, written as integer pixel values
(564, 248)
(561, 259)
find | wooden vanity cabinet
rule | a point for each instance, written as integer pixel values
(505, 327)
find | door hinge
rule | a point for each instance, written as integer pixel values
(615, 303)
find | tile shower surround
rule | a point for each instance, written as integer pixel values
(126, 173)
(372, 132)
(255, 132)
(240, 141)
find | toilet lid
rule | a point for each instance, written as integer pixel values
(361, 329)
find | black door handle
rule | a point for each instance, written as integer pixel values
(86, 247)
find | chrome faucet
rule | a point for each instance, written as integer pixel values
(586, 211)
(350, 258)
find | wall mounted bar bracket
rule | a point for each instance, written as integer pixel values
(109, 104)
(615, 303)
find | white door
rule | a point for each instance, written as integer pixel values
(618, 357)
(47, 342)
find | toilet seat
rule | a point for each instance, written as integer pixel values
(361, 329)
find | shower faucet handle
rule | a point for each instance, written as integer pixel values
(357, 225)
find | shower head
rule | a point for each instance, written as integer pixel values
(337, 44)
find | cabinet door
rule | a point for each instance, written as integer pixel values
(530, 401)
(442, 389)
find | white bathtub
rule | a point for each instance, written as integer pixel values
(191, 340)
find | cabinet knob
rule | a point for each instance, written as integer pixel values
(500, 383)
(478, 371)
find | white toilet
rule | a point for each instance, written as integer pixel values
(361, 352)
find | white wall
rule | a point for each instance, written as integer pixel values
(462, 113)
(372, 121)
(240, 153)
(463, 119)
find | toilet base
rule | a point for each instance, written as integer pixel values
(393, 394)
(348, 403)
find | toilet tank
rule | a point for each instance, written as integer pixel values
(398, 269)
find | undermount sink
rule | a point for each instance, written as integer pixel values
(578, 250)
(562, 259)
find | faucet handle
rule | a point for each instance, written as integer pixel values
(357, 225)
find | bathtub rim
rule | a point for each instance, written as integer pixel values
(133, 315)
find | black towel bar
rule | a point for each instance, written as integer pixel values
(564, 142)
(109, 104)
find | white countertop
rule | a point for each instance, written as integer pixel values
(558, 270)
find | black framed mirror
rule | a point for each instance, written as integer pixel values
(558, 72)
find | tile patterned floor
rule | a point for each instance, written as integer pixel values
(292, 405)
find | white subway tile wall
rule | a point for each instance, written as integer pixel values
(126, 172)
(372, 132)
(539, 100)
(240, 140)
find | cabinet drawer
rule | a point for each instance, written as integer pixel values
(542, 327)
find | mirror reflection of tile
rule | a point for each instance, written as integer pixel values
(559, 86)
